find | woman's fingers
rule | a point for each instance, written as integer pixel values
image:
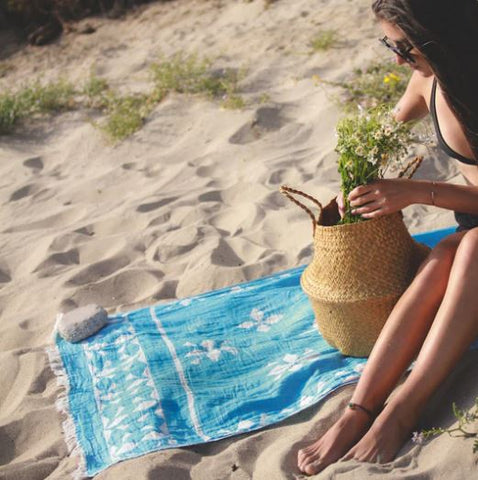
(363, 199)
(369, 208)
(341, 204)
(340, 200)
(360, 191)
(374, 214)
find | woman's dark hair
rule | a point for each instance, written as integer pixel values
(446, 33)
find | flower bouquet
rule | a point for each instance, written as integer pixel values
(369, 144)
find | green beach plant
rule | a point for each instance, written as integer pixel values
(5, 68)
(10, 112)
(369, 144)
(232, 101)
(379, 83)
(264, 97)
(324, 40)
(466, 420)
(47, 98)
(96, 89)
(189, 74)
(35, 99)
(124, 113)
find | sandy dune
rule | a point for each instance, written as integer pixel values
(187, 204)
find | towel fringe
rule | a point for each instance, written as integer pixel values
(63, 406)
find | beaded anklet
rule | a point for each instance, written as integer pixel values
(356, 406)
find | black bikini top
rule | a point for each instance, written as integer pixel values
(441, 141)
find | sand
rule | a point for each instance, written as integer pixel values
(187, 204)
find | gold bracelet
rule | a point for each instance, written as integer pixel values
(432, 193)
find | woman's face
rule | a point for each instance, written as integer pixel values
(397, 37)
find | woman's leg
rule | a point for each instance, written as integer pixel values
(397, 345)
(455, 327)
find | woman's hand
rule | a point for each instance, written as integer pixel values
(341, 204)
(381, 197)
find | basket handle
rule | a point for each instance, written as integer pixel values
(411, 167)
(287, 191)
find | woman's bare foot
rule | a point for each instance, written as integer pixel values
(348, 430)
(385, 438)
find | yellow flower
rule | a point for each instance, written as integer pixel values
(391, 77)
(316, 79)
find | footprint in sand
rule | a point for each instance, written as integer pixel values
(148, 207)
(86, 230)
(35, 163)
(168, 291)
(238, 218)
(266, 120)
(96, 271)
(129, 286)
(170, 253)
(214, 196)
(162, 219)
(70, 240)
(7, 452)
(128, 165)
(23, 192)
(57, 262)
(171, 246)
(63, 219)
(225, 256)
(5, 276)
(37, 443)
(277, 177)
(40, 380)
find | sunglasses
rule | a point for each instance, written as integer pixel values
(400, 51)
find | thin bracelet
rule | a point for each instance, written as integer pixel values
(356, 406)
(432, 193)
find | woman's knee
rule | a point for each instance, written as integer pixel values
(438, 264)
(468, 247)
(446, 249)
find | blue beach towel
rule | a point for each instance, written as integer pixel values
(197, 370)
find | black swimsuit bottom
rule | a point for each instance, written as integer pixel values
(466, 221)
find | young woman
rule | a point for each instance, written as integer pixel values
(436, 319)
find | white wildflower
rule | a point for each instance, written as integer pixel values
(418, 438)
(387, 131)
(360, 151)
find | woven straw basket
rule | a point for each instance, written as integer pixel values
(357, 274)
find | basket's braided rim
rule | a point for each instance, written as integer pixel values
(285, 190)
(411, 168)
(408, 171)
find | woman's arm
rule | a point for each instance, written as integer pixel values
(460, 198)
(412, 105)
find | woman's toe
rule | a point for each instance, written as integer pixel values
(349, 455)
(313, 467)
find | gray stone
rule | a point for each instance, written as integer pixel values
(82, 322)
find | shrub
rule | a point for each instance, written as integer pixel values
(380, 83)
(324, 40)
